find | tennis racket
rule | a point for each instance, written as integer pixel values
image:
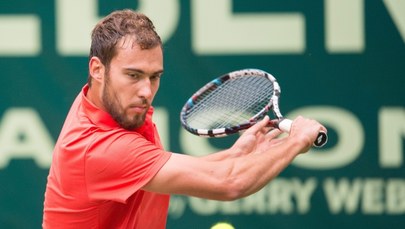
(235, 102)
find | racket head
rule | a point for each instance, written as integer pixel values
(231, 103)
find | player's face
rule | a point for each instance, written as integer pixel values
(132, 83)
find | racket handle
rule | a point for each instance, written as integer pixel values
(285, 126)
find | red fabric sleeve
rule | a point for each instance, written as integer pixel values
(120, 164)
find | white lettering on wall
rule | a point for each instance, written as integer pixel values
(161, 119)
(396, 8)
(344, 26)
(370, 196)
(391, 136)
(195, 145)
(76, 19)
(24, 135)
(240, 33)
(350, 138)
(20, 35)
(216, 30)
(281, 196)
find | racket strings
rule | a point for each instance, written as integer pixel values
(232, 103)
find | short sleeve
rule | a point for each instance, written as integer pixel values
(119, 165)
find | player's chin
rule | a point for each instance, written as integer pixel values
(132, 122)
(138, 120)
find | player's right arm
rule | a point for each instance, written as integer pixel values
(260, 158)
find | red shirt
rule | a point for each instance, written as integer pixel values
(98, 170)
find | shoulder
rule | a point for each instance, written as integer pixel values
(118, 147)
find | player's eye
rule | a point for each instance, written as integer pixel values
(134, 75)
(155, 76)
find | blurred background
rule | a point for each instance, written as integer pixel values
(341, 62)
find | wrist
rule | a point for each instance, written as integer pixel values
(299, 144)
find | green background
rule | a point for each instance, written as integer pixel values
(359, 82)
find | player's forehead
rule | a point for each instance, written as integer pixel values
(129, 55)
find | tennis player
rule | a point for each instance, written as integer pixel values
(109, 169)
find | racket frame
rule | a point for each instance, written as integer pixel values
(212, 85)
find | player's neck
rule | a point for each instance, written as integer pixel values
(94, 95)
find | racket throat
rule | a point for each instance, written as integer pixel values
(282, 124)
(285, 125)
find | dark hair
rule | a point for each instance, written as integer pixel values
(111, 29)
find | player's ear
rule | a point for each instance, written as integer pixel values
(96, 69)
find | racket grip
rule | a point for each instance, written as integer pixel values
(285, 126)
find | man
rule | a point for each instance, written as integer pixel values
(109, 169)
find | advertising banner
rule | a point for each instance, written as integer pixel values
(341, 62)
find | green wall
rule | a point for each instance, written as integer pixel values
(339, 61)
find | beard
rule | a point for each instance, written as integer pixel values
(112, 105)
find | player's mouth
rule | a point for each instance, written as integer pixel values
(140, 109)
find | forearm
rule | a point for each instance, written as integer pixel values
(227, 179)
(222, 155)
(254, 171)
(256, 158)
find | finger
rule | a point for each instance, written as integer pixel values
(323, 129)
(273, 134)
(259, 126)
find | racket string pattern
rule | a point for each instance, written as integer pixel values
(220, 109)
(229, 103)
